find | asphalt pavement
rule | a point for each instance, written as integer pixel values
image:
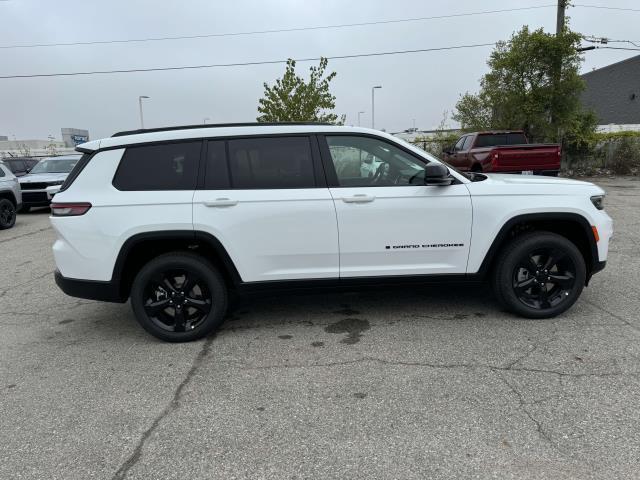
(406, 383)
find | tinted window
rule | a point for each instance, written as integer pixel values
(1, 172)
(217, 173)
(501, 139)
(368, 162)
(172, 166)
(458, 145)
(277, 162)
(467, 142)
(75, 172)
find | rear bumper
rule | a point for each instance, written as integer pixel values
(90, 289)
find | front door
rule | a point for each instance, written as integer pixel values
(389, 222)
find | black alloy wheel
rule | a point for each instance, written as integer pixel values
(179, 297)
(177, 300)
(544, 278)
(7, 214)
(539, 275)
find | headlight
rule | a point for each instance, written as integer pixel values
(598, 201)
(59, 182)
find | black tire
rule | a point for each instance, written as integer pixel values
(175, 313)
(476, 168)
(539, 275)
(7, 214)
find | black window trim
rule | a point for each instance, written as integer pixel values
(332, 176)
(319, 169)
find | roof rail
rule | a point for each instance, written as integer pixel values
(212, 125)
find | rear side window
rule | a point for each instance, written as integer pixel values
(171, 166)
(501, 139)
(1, 172)
(274, 162)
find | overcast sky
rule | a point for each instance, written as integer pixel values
(416, 86)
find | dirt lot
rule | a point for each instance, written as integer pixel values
(415, 383)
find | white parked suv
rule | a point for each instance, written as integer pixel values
(176, 218)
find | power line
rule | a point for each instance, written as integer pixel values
(605, 7)
(266, 62)
(282, 30)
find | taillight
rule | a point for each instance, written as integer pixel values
(69, 209)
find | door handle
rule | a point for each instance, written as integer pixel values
(359, 198)
(220, 202)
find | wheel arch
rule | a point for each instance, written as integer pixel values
(572, 226)
(9, 196)
(140, 248)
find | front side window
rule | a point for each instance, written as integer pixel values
(172, 166)
(467, 143)
(271, 162)
(367, 162)
(459, 144)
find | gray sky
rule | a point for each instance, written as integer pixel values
(416, 86)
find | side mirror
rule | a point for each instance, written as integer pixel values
(437, 174)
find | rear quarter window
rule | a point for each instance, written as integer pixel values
(172, 166)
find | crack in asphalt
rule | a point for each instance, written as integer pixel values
(173, 404)
(17, 237)
(604, 310)
(14, 287)
(439, 366)
(523, 406)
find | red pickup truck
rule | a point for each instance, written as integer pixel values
(503, 152)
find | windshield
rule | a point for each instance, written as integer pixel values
(55, 166)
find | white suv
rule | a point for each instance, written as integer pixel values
(176, 218)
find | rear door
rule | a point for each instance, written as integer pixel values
(390, 223)
(266, 200)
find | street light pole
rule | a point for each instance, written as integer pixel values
(359, 117)
(373, 107)
(140, 105)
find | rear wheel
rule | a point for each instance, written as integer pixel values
(540, 275)
(179, 297)
(7, 214)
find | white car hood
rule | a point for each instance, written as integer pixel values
(513, 179)
(43, 177)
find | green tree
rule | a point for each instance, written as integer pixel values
(533, 84)
(292, 99)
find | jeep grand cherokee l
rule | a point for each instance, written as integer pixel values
(176, 218)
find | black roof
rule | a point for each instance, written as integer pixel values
(212, 125)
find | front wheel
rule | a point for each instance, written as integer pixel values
(7, 214)
(539, 275)
(179, 297)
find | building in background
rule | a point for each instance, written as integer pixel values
(72, 137)
(3, 138)
(613, 93)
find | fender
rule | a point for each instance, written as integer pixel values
(593, 263)
(190, 236)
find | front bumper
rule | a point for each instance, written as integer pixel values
(39, 198)
(90, 289)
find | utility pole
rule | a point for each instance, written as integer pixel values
(562, 5)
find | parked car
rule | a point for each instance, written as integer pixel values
(503, 152)
(20, 166)
(44, 180)
(10, 197)
(176, 218)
